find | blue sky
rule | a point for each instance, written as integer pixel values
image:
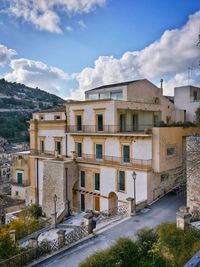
(55, 47)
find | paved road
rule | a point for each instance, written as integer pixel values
(161, 211)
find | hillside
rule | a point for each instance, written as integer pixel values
(17, 102)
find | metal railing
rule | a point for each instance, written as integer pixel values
(111, 213)
(146, 128)
(136, 163)
(24, 184)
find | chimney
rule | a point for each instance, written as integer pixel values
(161, 86)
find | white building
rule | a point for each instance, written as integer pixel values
(187, 99)
(86, 153)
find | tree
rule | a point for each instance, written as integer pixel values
(7, 246)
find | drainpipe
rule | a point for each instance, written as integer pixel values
(37, 180)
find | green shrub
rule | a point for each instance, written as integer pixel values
(125, 252)
(7, 246)
(99, 259)
(178, 245)
(35, 211)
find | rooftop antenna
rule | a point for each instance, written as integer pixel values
(161, 83)
(198, 44)
(190, 69)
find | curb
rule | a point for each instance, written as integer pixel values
(46, 258)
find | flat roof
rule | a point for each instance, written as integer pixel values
(51, 110)
(114, 85)
(88, 101)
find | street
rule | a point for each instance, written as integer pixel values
(163, 210)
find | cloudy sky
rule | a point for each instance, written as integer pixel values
(68, 46)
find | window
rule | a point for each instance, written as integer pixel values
(121, 181)
(42, 146)
(79, 123)
(20, 178)
(79, 150)
(104, 95)
(126, 153)
(57, 117)
(82, 202)
(164, 177)
(93, 96)
(99, 151)
(58, 148)
(82, 179)
(195, 95)
(171, 151)
(97, 181)
(99, 122)
(116, 95)
(41, 117)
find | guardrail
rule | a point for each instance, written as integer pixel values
(109, 128)
(194, 261)
(136, 163)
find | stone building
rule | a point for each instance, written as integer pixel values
(193, 172)
(87, 152)
(5, 175)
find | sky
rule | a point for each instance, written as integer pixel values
(68, 46)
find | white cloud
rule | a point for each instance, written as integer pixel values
(44, 14)
(69, 29)
(5, 54)
(171, 55)
(36, 74)
(181, 79)
(82, 24)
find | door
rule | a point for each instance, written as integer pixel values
(135, 122)
(155, 120)
(97, 203)
(19, 177)
(82, 202)
(122, 122)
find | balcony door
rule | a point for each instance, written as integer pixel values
(135, 122)
(99, 122)
(122, 122)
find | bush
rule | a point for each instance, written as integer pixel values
(146, 238)
(7, 246)
(35, 211)
(125, 252)
(99, 259)
(178, 245)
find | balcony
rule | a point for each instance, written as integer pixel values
(139, 164)
(111, 129)
(24, 183)
(45, 153)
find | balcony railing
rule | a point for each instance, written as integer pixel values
(24, 184)
(45, 153)
(129, 162)
(142, 128)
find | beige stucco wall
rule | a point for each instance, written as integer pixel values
(165, 137)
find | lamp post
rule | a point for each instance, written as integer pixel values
(55, 198)
(134, 179)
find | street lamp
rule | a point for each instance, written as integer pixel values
(134, 179)
(55, 198)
